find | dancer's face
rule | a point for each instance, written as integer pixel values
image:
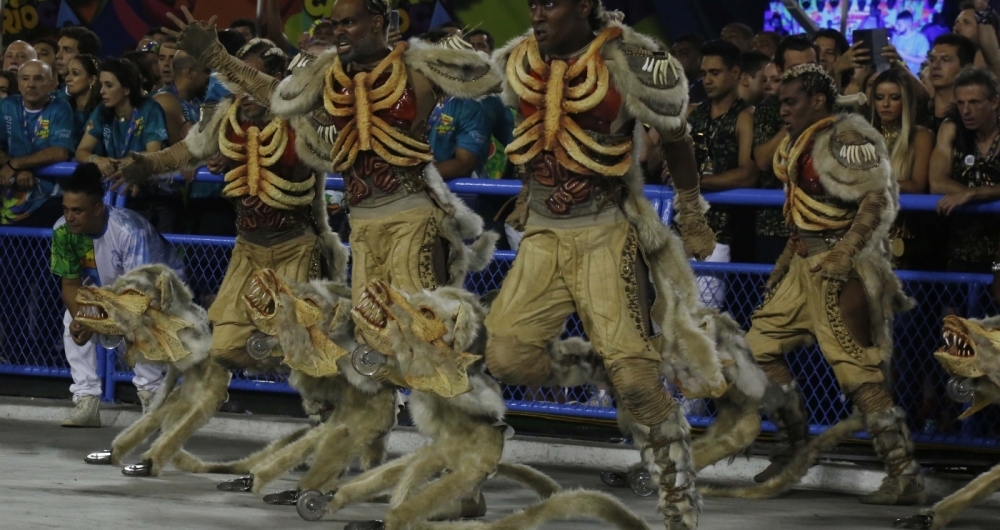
(357, 33)
(799, 110)
(558, 24)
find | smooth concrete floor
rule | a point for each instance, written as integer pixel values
(44, 484)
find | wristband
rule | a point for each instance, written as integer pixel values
(984, 18)
(995, 267)
(90, 159)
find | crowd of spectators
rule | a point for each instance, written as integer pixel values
(937, 106)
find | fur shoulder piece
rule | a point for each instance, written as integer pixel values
(459, 73)
(203, 139)
(650, 80)
(500, 58)
(302, 91)
(314, 141)
(851, 159)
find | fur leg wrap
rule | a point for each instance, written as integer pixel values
(638, 386)
(891, 438)
(669, 461)
(903, 484)
(871, 398)
(698, 237)
(575, 362)
(791, 420)
(778, 372)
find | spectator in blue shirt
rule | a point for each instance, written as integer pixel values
(128, 121)
(83, 89)
(459, 137)
(37, 131)
(8, 84)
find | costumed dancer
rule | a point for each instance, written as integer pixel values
(407, 228)
(581, 81)
(280, 204)
(834, 285)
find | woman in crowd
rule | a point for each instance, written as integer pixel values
(893, 111)
(83, 88)
(125, 121)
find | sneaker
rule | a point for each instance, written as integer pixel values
(145, 399)
(86, 414)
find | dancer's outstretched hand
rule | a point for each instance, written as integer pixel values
(193, 37)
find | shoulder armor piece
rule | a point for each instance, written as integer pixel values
(853, 150)
(653, 68)
(206, 112)
(462, 73)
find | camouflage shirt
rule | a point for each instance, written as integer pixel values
(767, 123)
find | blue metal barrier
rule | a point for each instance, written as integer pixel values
(31, 325)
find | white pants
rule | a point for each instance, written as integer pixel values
(83, 367)
(712, 287)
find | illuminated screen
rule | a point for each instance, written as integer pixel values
(862, 14)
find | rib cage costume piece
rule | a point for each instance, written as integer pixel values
(851, 162)
(653, 90)
(380, 118)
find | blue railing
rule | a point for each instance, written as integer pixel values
(31, 329)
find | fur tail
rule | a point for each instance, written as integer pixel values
(560, 506)
(480, 252)
(186, 461)
(168, 385)
(531, 478)
(797, 468)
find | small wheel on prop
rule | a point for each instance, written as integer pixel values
(312, 505)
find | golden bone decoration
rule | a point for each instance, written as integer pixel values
(366, 131)
(551, 128)
(260, 150)
(804, 211)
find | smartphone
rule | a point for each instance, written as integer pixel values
(874, 40)
(394, 20)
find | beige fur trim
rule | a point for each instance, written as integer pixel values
(302, 92)
(885, 291)
(459, 73)
(312, 149)
(203, 138)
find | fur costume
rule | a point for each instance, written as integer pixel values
(971, 357)
(437, 69)
(155, 313)
(694, 343)
(841, 227)
(461, 413)
(311, 321)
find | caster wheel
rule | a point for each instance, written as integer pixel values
(99, 458)
(614, 479)
(142, 469)
(311, 505)
(642, 483)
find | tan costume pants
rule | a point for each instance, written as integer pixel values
(398, 248)
(297, 260)
(589, 270)
(804, 309)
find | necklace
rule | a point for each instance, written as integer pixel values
(993, 146)
(891, 135)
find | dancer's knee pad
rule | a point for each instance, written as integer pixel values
(517, 363)
(637, 384)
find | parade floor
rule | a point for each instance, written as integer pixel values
(44, 483)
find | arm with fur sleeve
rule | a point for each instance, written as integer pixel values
(203, 43)
(141, 168)
(839, 262)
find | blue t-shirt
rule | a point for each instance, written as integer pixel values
(499, 118)
(192, 112)
(459, 123)
(119, 138)
(24, 133)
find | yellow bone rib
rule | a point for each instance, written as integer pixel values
(576, 153)
(583, 105)
(554, 103)
(379, 123)
(523, 139)
(287, 201)
(571, 127)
